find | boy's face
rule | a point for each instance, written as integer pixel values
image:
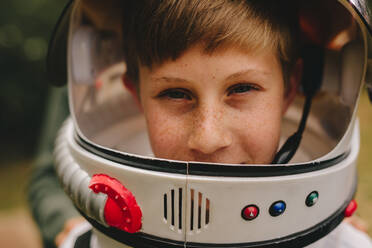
(223, 108)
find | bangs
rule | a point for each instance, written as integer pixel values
(163, 31)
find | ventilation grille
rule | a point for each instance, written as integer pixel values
(198, 210)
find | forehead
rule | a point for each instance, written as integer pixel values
(223, 62)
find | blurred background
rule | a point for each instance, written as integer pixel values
(25, 28)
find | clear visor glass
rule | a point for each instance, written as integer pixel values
(107, 114)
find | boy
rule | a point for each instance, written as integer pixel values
(213, 78)
(206, 85)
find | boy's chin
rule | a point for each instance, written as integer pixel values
(212, 160)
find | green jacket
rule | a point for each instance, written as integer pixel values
(49, 204)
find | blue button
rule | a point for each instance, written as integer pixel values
(277, 208)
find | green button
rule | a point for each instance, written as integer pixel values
(312, 198)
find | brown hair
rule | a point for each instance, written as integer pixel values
(158, 30)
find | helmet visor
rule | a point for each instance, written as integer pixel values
(108, 114)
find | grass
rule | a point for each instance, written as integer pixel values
(14, 177)
(364, 194)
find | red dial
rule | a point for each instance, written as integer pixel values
(121, 209)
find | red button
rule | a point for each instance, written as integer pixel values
(250, 212)
(350, 209)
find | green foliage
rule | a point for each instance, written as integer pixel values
(25, 29)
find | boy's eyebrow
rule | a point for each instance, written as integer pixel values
(248, 71)
(170, 79)
(230, 77)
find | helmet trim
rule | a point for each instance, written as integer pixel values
(362, 13)
(56, 59)
(207, 169)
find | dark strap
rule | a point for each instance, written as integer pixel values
(83, 241)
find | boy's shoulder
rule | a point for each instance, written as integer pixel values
(344, 236)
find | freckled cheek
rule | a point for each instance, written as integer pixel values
(167, 134)
(259, 132)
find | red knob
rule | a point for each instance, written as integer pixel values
(121, 209)
(350, 209)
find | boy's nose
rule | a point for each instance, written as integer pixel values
(209, 135)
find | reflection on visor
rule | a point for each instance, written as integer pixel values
(363, 8)
(108, 115)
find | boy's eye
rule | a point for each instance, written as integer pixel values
(241, 88)
(176, 94)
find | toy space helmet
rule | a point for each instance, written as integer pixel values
(105, 163)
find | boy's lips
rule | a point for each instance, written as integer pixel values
(220, 161)
(230, 160)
